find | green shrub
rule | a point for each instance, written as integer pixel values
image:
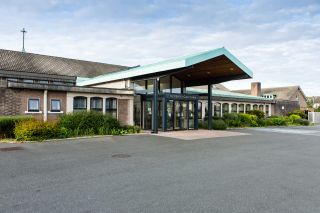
(303, 122)
(293, 118)
(219, 125)
(298, 112)
(7, 124)
(32, 130)
(279, 121)
(88, 123)
(248, 120)
(231, 119)
(260, 114)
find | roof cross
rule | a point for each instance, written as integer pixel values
(23, 32)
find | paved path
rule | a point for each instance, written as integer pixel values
(261, 172)
(199, 134)
(293, 130)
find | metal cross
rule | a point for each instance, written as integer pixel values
(23, 32)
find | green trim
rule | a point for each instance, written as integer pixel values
(226, 94)
(170, 64)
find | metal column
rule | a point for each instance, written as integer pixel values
(155, 107)
(210, 106)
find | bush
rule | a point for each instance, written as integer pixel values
(248, 120)
(89, 123)
(7, 124)
(293, 118)
(232, 120)
(298, 112)
(279, 121)
(257, 113)
(303, 122)
(32, 130)
(219, 125)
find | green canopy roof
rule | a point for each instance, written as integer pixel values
(172, 64)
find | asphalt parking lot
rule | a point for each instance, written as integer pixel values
(266, 170)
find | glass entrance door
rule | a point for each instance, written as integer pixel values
(147, 115)
(180, 115)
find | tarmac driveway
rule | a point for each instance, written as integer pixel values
(262, 171)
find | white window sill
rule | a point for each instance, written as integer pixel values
(27, 112)
(60, 112)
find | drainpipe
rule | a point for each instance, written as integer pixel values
(45, 105)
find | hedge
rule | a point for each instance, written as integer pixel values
(7, 124)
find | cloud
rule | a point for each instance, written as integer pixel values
(278, 40)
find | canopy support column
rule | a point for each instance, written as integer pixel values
(155, 107)
(210, 106)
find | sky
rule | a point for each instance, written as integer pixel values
(279, 40)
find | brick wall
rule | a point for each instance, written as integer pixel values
(123, 111)
(10, 101)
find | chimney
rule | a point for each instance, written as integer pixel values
(256, 88)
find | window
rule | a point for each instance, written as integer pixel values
(55, 105)
(111, 107)
(234, 108)
(43, 82)
(13, 79)
(241, 108)
(27, 81)
(33, 105)
(57, 82)
(225, 108)
(176, 85)
(217, 109)
(79, 103)
(96, 104)
(199, 110)
(248, 108)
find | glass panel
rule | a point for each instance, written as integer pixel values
(199, 110)
(176, 85)
(248, 108)
(140, 86)
(241, 108)
(150, 86)
(165, 84)
(225, 108)
(55, 105)
(111, 107)
(79, 103)
(160, 114)
(255, 107)
(267, 110)
(234, 108)
(184, 115)
(177, 115)
(261, 108)
(34, 105)
(217, 109)
(191, 115)
(43, 82)
(170, 116)
(137, 110)
(147, 116)
(96, 104)
(27, 81)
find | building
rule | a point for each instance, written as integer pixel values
(161, 96)
(45, 87)
(286, 99)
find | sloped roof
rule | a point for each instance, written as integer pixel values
(215, 86)
(52, 65)
(171, 64)
(226, 94)
(282, 93)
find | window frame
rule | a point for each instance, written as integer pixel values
(55, 110)
(111, 111)
(86, 103)
(28, 106)
(91, 104)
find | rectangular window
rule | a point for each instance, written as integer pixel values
(13, 79)
(27, 81)
(33, 105)
(43, 82)
(111, 107)
(55, 105)
(199, 110)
